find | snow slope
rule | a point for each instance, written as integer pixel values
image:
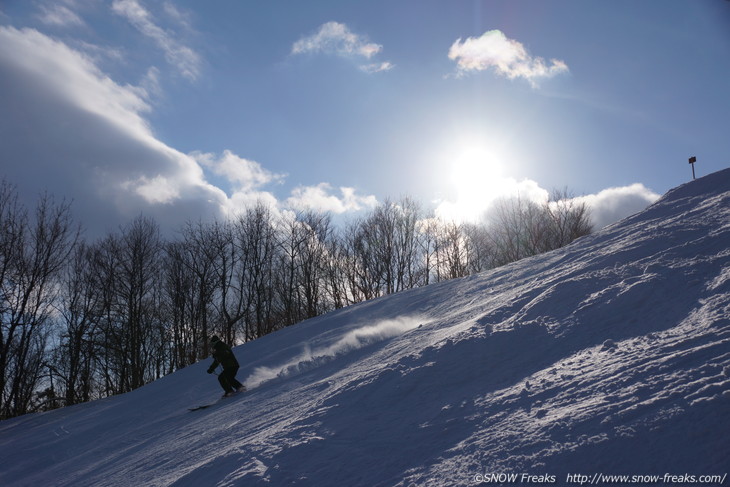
(610, 356)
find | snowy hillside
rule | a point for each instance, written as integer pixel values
(608, 357)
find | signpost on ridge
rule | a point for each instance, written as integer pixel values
(692, 161)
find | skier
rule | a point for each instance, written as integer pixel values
(223, 355)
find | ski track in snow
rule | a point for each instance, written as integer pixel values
(609, 356)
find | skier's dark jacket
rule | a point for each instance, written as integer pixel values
(223, 355)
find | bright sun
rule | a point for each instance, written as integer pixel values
(476, 172)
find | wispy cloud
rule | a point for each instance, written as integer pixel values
(335, 38)
(507, 56)
(376, 67)
(59, 15)
(177, 54)
(182, 17)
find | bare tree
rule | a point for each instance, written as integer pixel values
(480, 253)
(74, 363)
(32, 255)
(521, 228)
(335, 271)
(569, 218)
(255, 240)
(190, 269)
(452, 252)
(428, 230)
(409, 268)
(292, 243)
(138, 278)
(109, 343)
(316, 229)
(128, 267)
(386, 249)
(365, 267)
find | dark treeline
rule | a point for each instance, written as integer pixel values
(81, 321)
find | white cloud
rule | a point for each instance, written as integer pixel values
(613, 204)
(320, 198)
(98, 149)
(69, 75)
(337, 39)
(245, 174)
(242, 200)
(158, 189)
(177, 54)
(507, 56)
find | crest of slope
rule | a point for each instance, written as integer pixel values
(611, 355)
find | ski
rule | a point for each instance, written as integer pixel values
(200, 407)
(204, 406)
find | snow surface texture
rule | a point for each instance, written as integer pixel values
(610, 356)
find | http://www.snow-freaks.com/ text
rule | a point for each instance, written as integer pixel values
(599, 479)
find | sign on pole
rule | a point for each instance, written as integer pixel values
(692, 161)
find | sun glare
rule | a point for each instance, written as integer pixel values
(476, 175)
(475, 171)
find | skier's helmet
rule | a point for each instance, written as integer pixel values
(214, 339)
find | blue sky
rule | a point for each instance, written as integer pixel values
(185, 110)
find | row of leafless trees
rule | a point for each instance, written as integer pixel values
(79, 320)
(33, 254)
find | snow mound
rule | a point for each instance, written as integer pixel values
(605, 361)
